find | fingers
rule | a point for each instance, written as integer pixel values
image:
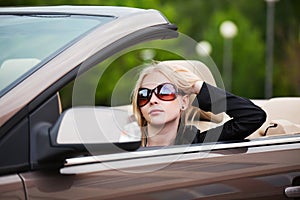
(197, 87)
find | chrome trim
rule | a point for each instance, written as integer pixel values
(167, 155)
(178, 150)
(292, 192)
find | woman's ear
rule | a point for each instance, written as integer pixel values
(185, 100)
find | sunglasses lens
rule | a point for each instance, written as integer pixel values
(167, 92)
(143, 97)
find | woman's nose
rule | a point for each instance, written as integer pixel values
(153, 99)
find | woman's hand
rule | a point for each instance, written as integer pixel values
(193, 82)
(197, 87)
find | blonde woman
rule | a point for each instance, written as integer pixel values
(168, 96)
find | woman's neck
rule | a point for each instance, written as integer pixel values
(164, 135)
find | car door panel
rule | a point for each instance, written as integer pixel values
(11, 187)
(257, 175)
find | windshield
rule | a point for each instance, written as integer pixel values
(27, 40)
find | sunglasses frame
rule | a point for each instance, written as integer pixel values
(156, 92)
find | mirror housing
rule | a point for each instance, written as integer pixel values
(85, 131)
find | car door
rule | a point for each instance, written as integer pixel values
(260, 169)
(11, 187)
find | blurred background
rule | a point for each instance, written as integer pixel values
(254, 44)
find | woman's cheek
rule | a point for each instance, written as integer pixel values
(145, 113)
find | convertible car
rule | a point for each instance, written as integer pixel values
(50, 151)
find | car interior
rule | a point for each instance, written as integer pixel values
(281, 111)
(282, 117)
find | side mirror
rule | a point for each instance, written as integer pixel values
(87, 131)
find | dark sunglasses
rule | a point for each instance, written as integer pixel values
(165, 92)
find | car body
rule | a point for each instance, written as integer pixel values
(36, 165)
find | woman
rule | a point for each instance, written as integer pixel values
(168, 96)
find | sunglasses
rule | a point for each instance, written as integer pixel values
(165, 92)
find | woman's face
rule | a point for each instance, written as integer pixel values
(158, 112)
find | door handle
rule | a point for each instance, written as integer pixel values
(292, 192)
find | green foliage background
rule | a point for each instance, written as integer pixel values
(201, 19)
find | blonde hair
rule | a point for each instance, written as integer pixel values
(184, 78)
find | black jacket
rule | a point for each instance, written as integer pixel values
(246, 117)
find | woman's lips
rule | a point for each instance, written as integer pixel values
(155, 111)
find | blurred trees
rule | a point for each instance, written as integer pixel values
(200, 19)
(248, 52)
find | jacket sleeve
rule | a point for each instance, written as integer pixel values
(246, 117)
